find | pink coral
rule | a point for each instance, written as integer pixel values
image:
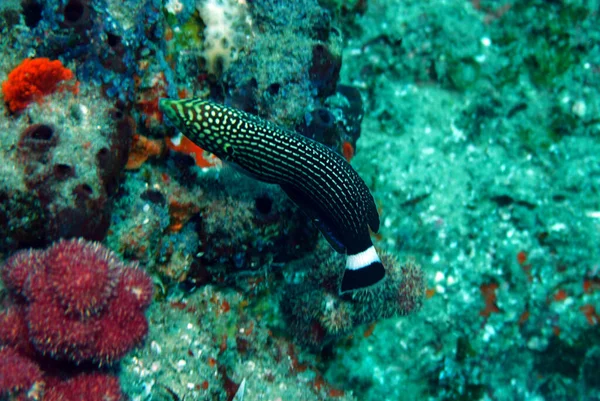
(81, 302)
(17, 372)
(16, 269)
(91, 387)
(84, 284)
(13, 330)
(21, 378)
(56, 334)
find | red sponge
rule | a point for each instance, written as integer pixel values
(33, 79)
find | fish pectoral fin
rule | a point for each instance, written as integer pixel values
(318, 217)
(330, 235)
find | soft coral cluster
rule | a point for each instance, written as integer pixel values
(75, 302)
(80, 302)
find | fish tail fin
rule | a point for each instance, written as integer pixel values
(363, 270)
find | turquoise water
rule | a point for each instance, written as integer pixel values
(136, 265)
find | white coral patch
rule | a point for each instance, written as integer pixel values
(225, 22)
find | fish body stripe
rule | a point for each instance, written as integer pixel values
(366, 276)
(362, 259)
(279, 156)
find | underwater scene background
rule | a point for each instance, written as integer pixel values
(135, 265)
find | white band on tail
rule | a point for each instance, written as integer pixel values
(362, 259)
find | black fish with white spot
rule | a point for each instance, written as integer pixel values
(321, 182)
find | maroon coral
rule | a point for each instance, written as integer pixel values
(91, 387)
(82, 285)
(14, 331)
(15, 271)
(411, 290)
(17, 373)
(81, 302)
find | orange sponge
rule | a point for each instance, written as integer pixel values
(184, 145)
(33, 79)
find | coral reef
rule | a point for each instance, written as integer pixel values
(479, 142)
(192, 225)
(64, 159)
(479, 181)
(103, 43)
(141, 227)
(249, 226)
(217, 343)
(10, 5)
(317, 315)
(337, 123)
(191, 221)
(285, 72)
(72, 303)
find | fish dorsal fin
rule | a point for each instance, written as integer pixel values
(318, 217)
